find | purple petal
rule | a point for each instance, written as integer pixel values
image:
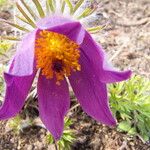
(54, 103)
(52, 21)
(98, 60)
(23, 62)
(17, 89)
(72, 29)
(91, 92)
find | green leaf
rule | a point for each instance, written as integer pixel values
(50, 139)
(30, 22)
(132, 131)
(124, 125)
(145, 137)
(130, 100)
(61, 144)
(125, 116)
(15, 123)
(39, 8)
(146, 107)
(67, 137)
(4, 46)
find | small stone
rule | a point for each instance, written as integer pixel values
(30, 147)
(51, 147)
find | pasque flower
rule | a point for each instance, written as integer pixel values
(60, 48)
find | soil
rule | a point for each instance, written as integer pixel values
(126, 39)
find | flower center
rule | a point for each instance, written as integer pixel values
(58, 66)
(56, 55)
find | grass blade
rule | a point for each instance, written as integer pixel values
(10, 38)
(51, 5)
(23, 20)
(39, 8)
(79, 3)
(95, 29)
(14, 25)
(70, 6)
(29, 10)
(47, 8)
(87, 12)
(63, 6)
(30, 22)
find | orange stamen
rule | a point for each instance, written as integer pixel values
(56, 55)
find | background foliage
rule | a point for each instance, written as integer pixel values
(130, 102)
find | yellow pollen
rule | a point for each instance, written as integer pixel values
(56, 55)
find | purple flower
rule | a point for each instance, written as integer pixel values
(60, 48)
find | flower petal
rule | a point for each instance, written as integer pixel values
(17, 89)
(91, 92)
(72, 29)
(99, 63)
(53, 104)
(52, 21)
(23, 61)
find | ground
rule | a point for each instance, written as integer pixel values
(126, 39)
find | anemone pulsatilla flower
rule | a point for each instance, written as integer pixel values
(60, 48)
